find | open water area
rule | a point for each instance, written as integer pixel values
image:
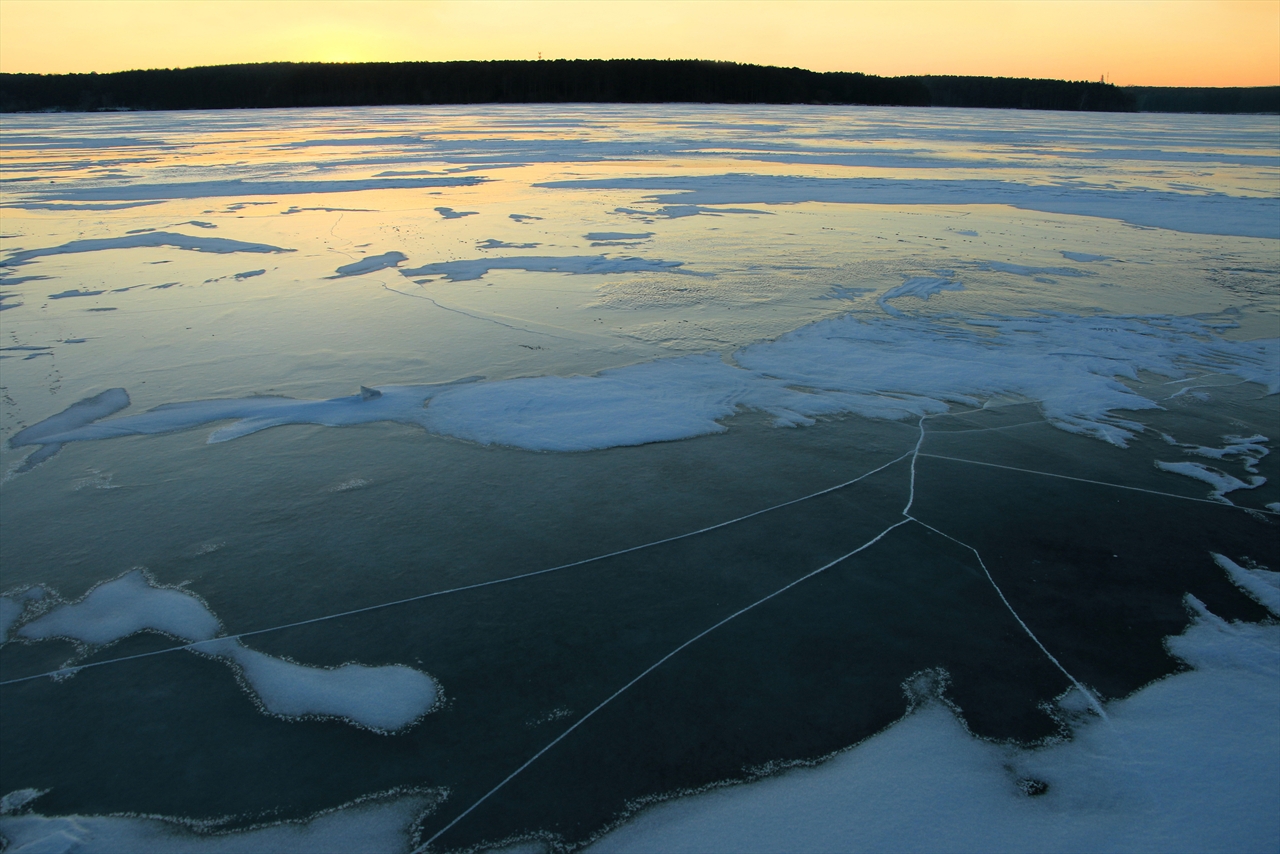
(657, 477)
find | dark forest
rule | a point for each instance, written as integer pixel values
(287, 84)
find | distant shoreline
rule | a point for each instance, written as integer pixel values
(632, 81)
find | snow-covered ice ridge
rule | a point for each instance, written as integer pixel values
(385, 699)
(886, 368)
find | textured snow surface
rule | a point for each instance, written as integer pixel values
(1189, 763)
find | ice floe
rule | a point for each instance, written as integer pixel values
(221, 245)
(1189, 763)
(386, 698)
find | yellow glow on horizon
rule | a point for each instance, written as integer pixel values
(1133, 42)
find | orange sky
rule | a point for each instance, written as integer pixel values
(1133, 42)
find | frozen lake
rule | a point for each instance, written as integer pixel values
(656, 477)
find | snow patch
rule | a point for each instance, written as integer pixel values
(385, 699)
(1221, 482)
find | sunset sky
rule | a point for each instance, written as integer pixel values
(1132, 42)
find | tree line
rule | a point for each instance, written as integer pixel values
(316, 84)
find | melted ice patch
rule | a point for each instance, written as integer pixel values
(385, 699)
(1189, 763)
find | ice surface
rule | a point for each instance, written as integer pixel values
(1189, 763)
(384, 699)
(149, 239)
(1221, 482)
(374, 826)
(1196, 213)
(1261, 584)
(472, 269)
(371, 264)
(380, 514)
